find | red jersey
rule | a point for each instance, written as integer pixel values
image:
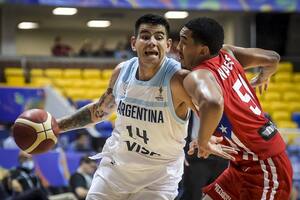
(243, 123)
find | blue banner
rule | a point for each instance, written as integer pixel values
(217, 5)
(13, 101)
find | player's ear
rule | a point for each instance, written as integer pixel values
(133, 41)
(169, 44)
(204, 50)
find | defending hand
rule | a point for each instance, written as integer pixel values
(212, 147)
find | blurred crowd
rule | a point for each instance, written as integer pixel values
(90, 49)
(26, 182)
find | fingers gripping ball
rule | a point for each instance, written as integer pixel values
(35, 131)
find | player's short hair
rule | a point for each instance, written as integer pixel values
(207, 31)
(154, 20)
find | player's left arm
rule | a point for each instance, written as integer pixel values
(267, 60)
(205, 91)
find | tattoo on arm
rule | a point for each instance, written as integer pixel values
(89, 114)
(104, 106)
(78, 120)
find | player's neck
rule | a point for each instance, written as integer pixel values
(201, 59)
(146, 71)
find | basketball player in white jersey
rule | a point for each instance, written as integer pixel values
(143, 159)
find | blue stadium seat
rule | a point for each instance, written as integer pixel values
(104, 128)
(73, 159)
(81, 103)
(9, 158)
(51, 169)
(4, 133)
(296, 118)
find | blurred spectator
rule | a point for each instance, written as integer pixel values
(102, 50)
(86, 49)
(9, 142)
(61, 49)
(121, 52)
(24, 181)
(81, 143)
(173, 53)
(81, 180)
(128, 46)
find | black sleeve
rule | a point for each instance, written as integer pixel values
(77, 180)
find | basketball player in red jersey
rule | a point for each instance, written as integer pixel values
(228, 106)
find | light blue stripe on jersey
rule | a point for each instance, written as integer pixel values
(130, 67)
(125, 74)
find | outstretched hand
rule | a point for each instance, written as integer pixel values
(212, 147)
(260, 81)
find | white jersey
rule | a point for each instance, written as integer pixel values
(148, 139)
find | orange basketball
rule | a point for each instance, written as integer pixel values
(35, 131)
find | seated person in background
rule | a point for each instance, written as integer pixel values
(121, 52)
(86, 50)
(102, 50)
(173, 53)
(81, 143)
(81, 180)
(9, 142)
(24, 179)
(61, 49)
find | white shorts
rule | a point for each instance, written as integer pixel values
(102, 190)
(121, 182)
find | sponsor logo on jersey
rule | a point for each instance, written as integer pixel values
(133, 146)
(140, 113)
(160, 97)
(268, 131)
(221, 192)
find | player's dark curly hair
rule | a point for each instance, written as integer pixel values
(207, 31)
(154, 20)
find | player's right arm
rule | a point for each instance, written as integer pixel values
(267, 60)
(93, 112)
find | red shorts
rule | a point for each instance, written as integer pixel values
(252, 180)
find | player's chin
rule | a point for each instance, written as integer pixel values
(152, 59)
